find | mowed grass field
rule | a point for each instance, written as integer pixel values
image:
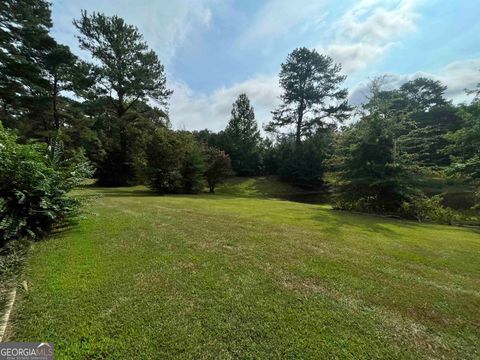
(221, 276)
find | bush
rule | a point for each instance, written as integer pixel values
(193, 169)
(429, 209)
(303, 164)
(34, 186)
(175, 162)
(373, 176)
(476, 206)
(218, 167)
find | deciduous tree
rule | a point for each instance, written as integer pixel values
(218, 167)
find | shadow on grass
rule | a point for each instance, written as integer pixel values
(271, 187)
(335, 220)
(339, 220)
(125, 192)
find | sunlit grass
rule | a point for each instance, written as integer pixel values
(219, 276)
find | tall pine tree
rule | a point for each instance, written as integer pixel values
(311, 93)
(128, 72)
(24, 42)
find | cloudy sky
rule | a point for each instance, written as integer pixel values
(214, 50)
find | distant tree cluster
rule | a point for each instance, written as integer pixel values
(401, 134)
(103, 109)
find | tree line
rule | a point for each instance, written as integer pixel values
(113, 112)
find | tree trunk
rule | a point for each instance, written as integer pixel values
(394, 151)
(298, 135)
(125, 171)
(56, 118)
(211, 186)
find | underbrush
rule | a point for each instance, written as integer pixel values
(420, 207)
(35, 182)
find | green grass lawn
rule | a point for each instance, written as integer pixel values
(219, 276)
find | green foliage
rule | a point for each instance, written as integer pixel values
(175, 162)
(193, 169)
(128, 74)
(464, 143)
(12, 255)
(218, 167)
(126, 64)
(117, 165)
(429, 209)
(410, 127)
(304, 163)
(426, 141)
(423, 93)
(373, 176)
(24, 41)
(34, 186)
(311, 85)
(64, 72)
(242, 139)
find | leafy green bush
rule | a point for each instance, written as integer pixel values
(193, 169)
(429, 209)
(303, 164)
(477, 200)
(218, 167)
(176, 162)
(34, 186)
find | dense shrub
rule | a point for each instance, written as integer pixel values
(124, 165)
(428, 209)
(175, 162)
(373, 176)
(304, 163)
(193, 168)
(477, 199)
(34, 186)
(218, 167)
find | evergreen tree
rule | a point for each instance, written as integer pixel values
(311, 93)
(426, 141)
(127, 72)
(430, 117)
(242, 138)
(464, 143)
(374, 174)
(64, 72)
(423, 93)
(24, 41)
(193, 169)
(304, 164)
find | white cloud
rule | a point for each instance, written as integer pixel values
(195, 111)
(165, 25)
(356, 56)
(365, 33)
(457, 76)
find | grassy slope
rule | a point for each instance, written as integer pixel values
(258, 187)
(222, 277)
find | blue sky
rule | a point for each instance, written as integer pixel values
(214, 50)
